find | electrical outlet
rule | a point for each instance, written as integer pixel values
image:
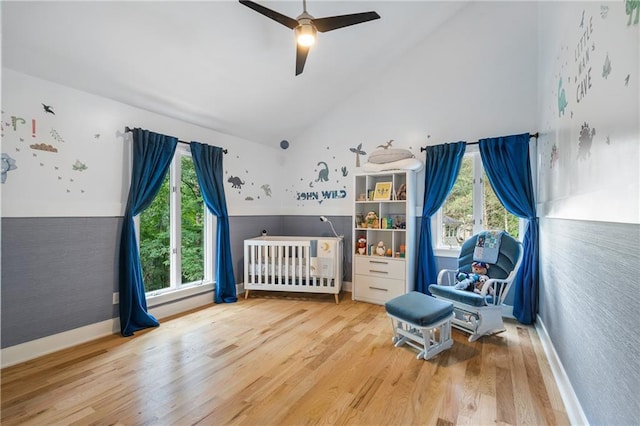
(116, 298)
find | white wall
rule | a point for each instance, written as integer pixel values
(588, 205)
(473, 78)
(89, 130)
(589, 148)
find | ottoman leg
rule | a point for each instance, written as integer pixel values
(426, 338)
(394, 328)
(434, 344)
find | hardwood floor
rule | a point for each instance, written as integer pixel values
(284, 359)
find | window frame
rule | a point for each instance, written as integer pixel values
(175, 234)
(477, 205)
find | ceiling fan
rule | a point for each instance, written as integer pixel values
(306, 26)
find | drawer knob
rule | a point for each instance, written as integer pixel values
(378, 288)
(377, 272)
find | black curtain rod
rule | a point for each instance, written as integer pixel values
(128, 129)
(535, 135)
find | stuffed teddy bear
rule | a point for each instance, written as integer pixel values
(474, 280)
(381, 250)
(362, 245)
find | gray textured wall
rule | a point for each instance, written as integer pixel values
(57, 274)
(60, 273)
(589, 299)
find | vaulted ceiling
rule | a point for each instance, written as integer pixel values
(217, 64)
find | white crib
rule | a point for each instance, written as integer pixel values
(295, 264)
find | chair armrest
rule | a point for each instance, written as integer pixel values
(447, 277)
(493, 284)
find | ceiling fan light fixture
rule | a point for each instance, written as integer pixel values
(306, 27)
(306, 34)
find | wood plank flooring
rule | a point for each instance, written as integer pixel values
(281, 359)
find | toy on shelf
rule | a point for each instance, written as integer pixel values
(401, 194)
(381, 249)
(362, 245)
(372, 220)
(399, 223)
(386, 223)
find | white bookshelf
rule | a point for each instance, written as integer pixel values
(376, 278)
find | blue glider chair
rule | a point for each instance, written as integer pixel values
(480, 313)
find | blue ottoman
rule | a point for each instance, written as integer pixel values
(422, 322)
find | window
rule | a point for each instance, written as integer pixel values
(176, 242)
(472, 206)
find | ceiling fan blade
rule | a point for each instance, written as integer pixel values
(334, 22)
(278, 17)
(301, 57)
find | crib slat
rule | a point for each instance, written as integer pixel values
(259, 265)
(287, 264)
(301, 259)
(278, 264)
(254, 253)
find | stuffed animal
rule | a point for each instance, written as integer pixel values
(401, 194)
(362, 245)
(474, 280)
(372, 219)
(381, 250)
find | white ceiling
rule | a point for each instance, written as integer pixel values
(217, 64)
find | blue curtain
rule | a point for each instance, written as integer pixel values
(441, 170)
(506, 162)
(207, 161)
(152, 154)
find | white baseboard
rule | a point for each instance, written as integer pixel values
(569, 397)
(35, 348)
(49, 344)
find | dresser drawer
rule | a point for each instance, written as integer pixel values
(380, 267)
(376, 290)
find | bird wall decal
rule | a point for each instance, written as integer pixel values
(48, 108)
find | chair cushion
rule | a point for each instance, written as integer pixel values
(418, 308)
(463, 296)
(507, 259)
